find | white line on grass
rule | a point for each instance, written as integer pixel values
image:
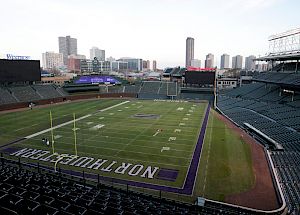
(208, 154)
(72, 121)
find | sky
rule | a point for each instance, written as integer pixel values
(147, 29)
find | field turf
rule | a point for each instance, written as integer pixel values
(147, 133)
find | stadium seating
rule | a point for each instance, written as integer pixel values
(132, 88)
(6, 97)
(150, 87)
(278, 117)
(46, 91)
(27, 189)
(287, 78)
(25, 93)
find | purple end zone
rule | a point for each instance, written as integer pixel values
(10, 150)
(190, 178)
(167, 174)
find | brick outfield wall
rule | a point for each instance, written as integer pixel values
(66, 98)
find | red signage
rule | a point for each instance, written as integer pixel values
(190, 68)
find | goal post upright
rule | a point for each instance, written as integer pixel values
(75, 136)
(52, 136)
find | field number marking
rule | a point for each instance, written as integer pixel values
(165, 149)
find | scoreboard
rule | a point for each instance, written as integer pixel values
(19, 70)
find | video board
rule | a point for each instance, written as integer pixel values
(19, 70)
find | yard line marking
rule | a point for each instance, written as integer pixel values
(20, 129)
(57, 137)
(72, 121)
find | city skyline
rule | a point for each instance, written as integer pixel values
(242, 33)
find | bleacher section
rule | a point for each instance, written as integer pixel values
(278, 78)
(286, 67)
(277, 116)
(6, 97)
(132, 88)
(27, 189)
(46, 91)
(25, 93)
(150, 87)
(15, 94)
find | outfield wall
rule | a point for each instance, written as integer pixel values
(67, 98)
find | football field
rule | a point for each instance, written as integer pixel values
(151, 142)
(148, 145)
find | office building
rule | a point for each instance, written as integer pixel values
(196, 63)
(119, 66)
(224, 61)
(97, 53)
(209, 61)
(250, 63)
(154, 66)
(94, 66)
(134, 64)
(189, 52)
(237, 62)
(146, 65)
(67, 46)
(51, 60)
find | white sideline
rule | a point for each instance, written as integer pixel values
(72, 121)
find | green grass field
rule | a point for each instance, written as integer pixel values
(165, 137)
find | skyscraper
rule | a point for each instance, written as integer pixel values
(67, 46)
(189, 53)
(98, 53)
(209, 61)
(52, 60)
(249, 63)
(154, 66)
(237, 62)
(224, 61)
(146, 64)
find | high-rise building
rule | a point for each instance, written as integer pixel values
(134, 64)
(196, 63)
(119, 66)
(52, 60)
(67, 46)
(154, 65)
(209, 61)
(189, 52)
(146, 65)
(237, 62)
(98, 53)
(225, 61)
(250, 63)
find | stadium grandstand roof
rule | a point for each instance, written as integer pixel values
(280, 57)
(285, 34)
